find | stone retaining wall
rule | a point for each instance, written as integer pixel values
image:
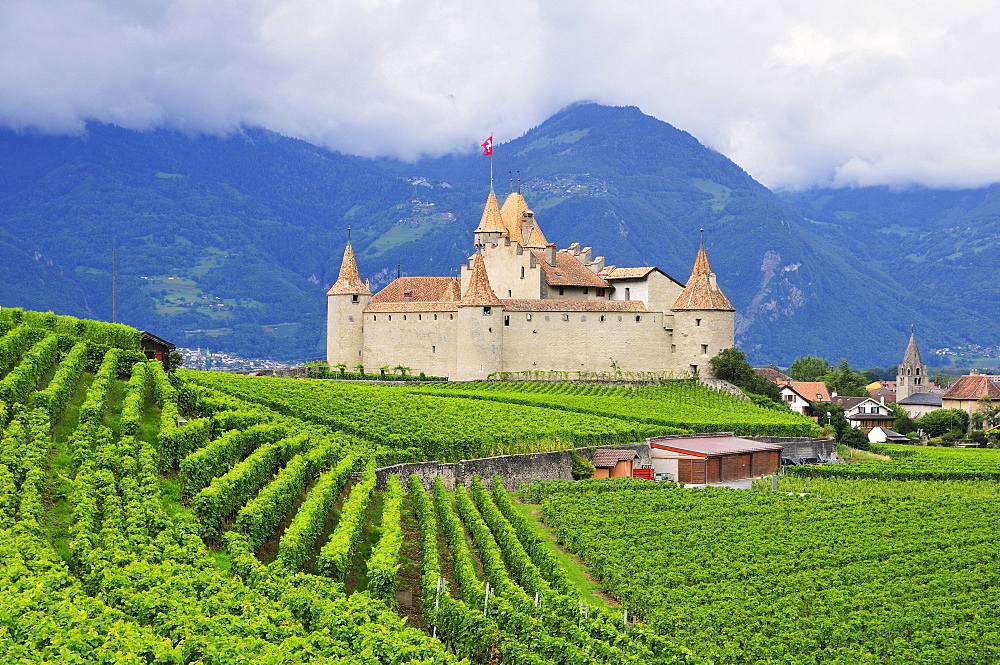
(512, 469)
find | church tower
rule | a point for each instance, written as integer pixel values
(704, 320)
(345, 305)
(912, 375)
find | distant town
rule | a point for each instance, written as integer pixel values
(220, 360)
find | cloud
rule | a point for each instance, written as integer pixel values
(847, 94)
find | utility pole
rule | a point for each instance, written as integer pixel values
(114, 285)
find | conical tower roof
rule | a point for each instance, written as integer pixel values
(536, 240)
(513, 208)
(491, 221)
(480, 292)
(702, 291)
(912, 355)
(349, 281)
(453, 293)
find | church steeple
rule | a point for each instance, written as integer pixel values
(349, 281)
(912, 375)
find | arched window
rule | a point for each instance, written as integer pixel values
(918, 371)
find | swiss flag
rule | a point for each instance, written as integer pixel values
(487, 146)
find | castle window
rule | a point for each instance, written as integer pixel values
(586, 290)
(600, 293)
(404, 317)
(490, 329)
(420, 317)
(916, 381)
(638, 318)
(390, 317)
(628, 293)
(374, 318)
(355, 299)
(528, 317)
(565, 317)
(562, 290)
(522, 272)
(704, 348)
(918, 371)
(583, 318)
(509, 293)
(435, 317)
(451, 317)
(602, 318)
(351, 319)
(506, 320)
(907, 371)
(619, 318)
(433, 349)
(673, 348)
(487, 311)
(697, 322)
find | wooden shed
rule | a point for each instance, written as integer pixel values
(712, 458)
(613, 462)
(157, 347)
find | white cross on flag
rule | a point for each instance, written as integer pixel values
(487, 146)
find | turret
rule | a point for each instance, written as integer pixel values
(491, 226)
(345, 306)
(704, 320)
(479, 330)
(912, 375)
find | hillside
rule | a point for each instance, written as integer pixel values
(230, 243)
(131, 535)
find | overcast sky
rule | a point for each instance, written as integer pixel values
(848, 93)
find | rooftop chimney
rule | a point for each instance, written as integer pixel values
(550, 253)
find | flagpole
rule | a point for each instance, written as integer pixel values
(491, 161)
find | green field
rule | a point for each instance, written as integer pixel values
(210, 518)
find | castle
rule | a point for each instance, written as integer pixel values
(521, 305)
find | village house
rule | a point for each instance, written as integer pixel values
(522, 305)
(973, 393)
(864, 413)
(801, 395)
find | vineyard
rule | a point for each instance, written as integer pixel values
(822, 571)
(148, 517)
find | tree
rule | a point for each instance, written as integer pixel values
(904, 423)
(830, 413)
(731, 365)
(844, 380)
(942, 421)
(808, 368)
(855, 438)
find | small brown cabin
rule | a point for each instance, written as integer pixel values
(157, 347)
(613, 463)
(712, 458)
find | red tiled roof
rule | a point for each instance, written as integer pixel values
(628, 273)
(420, 289)
(553, 305)
(491, 221)
(607, 457)
(711, 445)
(814, 391)
(568, 271)
(403, 307)
(772, 375)
(973, 386)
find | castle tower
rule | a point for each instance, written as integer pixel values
(491, 225)
(345, 305)
(912, 375)
(704, 320)
(479, 329)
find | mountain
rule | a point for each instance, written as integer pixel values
(231, 242)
